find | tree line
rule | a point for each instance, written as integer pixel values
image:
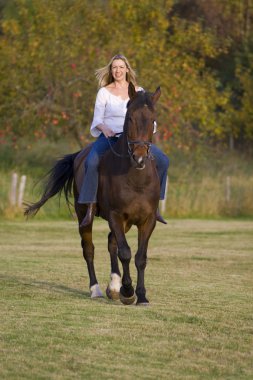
(199, 52)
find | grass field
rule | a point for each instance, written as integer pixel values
(199, 324)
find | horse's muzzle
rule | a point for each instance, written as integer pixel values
(139, 161)
(139, 152)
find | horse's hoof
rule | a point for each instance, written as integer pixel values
(112, 294)
(95, 291)
(113, 288)
(127, 300)
(142, 301)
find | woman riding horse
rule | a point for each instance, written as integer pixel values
(109, 116)
(127, 193)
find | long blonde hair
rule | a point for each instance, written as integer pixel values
(104, 75)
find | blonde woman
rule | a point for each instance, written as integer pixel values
(108, 121)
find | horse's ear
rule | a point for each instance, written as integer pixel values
(156, 95)
(131, 91)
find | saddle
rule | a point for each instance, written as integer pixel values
(79, 164)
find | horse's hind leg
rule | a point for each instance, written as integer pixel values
(114, 286)
(88, 254)
(127, 295)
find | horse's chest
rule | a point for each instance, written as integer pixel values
(129, 192)
(136, 186)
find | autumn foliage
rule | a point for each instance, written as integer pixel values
(199, 52)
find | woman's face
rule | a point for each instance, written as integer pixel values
(119, 70)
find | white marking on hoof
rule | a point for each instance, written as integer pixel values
(95, 291)
(115, 283)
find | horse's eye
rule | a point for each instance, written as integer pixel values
(155, 126)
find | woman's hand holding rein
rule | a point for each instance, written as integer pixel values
(105, 130)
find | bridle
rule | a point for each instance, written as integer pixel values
(138, 143)
(130, 150)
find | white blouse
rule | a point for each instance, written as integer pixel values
(109, 110)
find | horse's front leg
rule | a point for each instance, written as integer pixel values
(144, 233)
(116, 223)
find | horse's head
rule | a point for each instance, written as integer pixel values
(139, 125)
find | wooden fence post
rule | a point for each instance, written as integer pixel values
(21, 190)
(163, 202)
(13, 192)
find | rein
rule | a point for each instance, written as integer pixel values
(116, 153)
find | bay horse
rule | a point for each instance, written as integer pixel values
(128, 194)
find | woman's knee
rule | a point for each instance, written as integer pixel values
(166, 161)
(161, 159)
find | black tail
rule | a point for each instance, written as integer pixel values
(59, 178)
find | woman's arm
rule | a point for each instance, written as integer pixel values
(98, 125)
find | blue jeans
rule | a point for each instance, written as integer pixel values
(88, 193)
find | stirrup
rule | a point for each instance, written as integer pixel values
(88, 219)
(159, 218)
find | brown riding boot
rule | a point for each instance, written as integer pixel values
(159, 218)
(87, 220)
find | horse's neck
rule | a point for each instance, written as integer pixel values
(120, 147)
(124, 144)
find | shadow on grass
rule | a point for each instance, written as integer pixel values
(52, 287)
(72, 292)
(57, 288)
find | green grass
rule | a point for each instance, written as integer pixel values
(199, 324)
